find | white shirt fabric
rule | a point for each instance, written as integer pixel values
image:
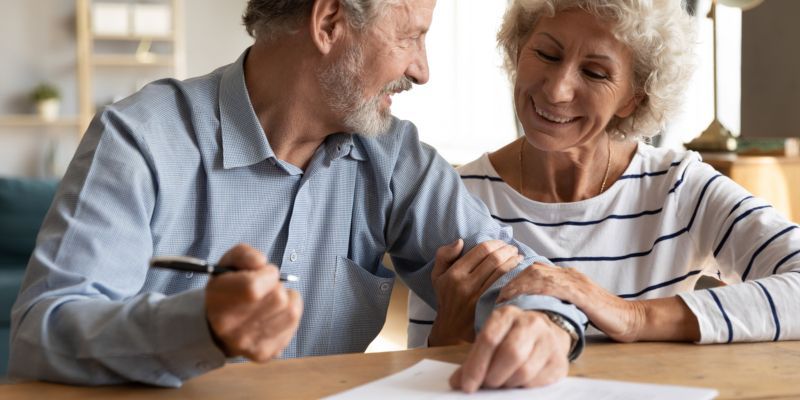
(669, 219)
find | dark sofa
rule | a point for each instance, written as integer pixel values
(23, 204)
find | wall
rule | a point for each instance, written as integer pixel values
(39, 45)
(771, 70)
(214, 34)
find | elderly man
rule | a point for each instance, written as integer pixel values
(293, 150)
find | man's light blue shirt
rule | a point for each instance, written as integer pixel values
(184, 168)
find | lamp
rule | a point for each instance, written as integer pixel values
(718, 138)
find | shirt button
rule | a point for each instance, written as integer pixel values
(385, 287)
(293, 257)
(189, 275)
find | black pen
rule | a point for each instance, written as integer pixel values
(191, 264)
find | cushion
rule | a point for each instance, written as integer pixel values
(23, 205)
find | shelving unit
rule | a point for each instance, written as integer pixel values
(33, 120)
(89, 60)
(115, 60)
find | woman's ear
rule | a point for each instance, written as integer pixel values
(629, 106)
(328, 24)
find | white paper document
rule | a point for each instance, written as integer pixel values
(428, 379)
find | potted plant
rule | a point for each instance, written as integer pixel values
(48, 101)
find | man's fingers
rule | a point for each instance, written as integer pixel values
(511, 356)
(266, 334)
(552, 372)
(455, 379)
(243, 256)
(480, 356)
(282, 328)
(445, 256)
(532, 368)
(232, 298)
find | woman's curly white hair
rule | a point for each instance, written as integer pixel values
(660, 33)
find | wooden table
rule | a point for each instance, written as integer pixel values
(738, 371)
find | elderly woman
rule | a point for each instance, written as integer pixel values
(637, 225)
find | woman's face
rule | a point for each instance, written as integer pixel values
(573, 76)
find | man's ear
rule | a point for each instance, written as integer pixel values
(328, 24)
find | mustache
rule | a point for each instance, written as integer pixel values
(401, 85)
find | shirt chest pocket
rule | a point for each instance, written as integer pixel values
(360, 302)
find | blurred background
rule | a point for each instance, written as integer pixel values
(94, 52)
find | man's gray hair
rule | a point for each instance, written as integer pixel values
(660, 33)
(269, 19)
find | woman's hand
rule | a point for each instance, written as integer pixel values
(459, 283)
(620, 319)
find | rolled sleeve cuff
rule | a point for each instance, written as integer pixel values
(546, 303)
(709, 318)
(183, 337)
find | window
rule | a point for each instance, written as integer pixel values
(466, 109)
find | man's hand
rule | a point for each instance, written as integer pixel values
(250, 313)
(459, 284)
(515, 348)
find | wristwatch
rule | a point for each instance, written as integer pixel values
(562, 323)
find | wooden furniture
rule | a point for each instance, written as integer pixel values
(775, 179)
(738, 371)
(89, 60)
(33, 120)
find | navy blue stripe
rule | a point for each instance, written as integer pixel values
(680, 181)
(724, 315)
(739, 204)
(644, 174)
(763, 246)
(578, 223)
(482, 177)
(783, 261)
(774, 313)
(420, 322)
(658, 240)
(660, 285)
(730, 228)
(583, 223)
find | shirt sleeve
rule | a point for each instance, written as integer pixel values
(757, 251)
(80, 317)
(432, 208)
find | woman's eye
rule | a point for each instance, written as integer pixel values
(595, 74)
(545, 56)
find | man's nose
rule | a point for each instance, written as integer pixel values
(418, 70)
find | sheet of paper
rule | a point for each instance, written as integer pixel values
(428, 380)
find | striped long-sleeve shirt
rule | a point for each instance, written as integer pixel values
(669, 219)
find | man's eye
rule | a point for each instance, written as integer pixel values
(595, 74)
(545, 56)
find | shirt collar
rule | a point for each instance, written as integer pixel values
(341, 145)
(244, 142)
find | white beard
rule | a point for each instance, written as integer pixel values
(344, 91)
